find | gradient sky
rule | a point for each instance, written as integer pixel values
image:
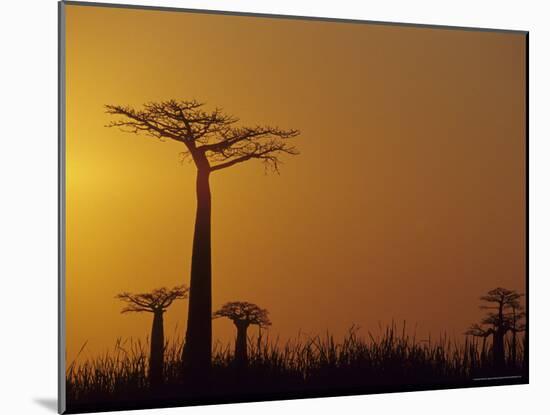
(406, 202)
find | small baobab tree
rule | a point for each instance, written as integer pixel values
(243, 314)
(502, 304)
(214, 141)
(156, 302)
(517, 325)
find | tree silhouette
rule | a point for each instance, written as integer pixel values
(517, 325)
(504, 317)
(213, 141)
(243, 314)
(156, 302)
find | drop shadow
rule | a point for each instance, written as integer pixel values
(48, 403)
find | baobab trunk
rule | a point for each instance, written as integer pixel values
(514, 348)
(525, 352)
(498, 349)
(198, 339)
(498, 340)
(241, 352)
(156, 358)
(484, 350)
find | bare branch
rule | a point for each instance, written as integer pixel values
(136, 308)
(477, 331)
(266, 145)
(211, 137)
(157, 300)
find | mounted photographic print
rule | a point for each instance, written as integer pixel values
(258, 207)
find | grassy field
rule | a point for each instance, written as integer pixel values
(316, 366)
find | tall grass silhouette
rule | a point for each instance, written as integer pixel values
(306, 363)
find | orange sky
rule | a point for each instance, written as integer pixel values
(407, 200)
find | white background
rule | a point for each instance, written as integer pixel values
(28, 203)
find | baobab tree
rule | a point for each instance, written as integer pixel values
(243, 314)
(517, 325)
(156, 302)
(503, 304)
(214, 141)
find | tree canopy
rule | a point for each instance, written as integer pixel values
(213, 139)
(505, 313)
(244, 312)
(157, 300)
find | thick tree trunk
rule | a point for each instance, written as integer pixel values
(525, 353)
(156, 358)
(498, 340)
(514, 348)
(498, 349)
(198, 339)
(241, 352)
(484, 351)
(514, 338)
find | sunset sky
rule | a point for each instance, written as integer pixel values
(406, 202)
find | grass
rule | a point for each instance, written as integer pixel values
(313, 365)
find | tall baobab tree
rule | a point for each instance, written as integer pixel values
(498, 321)
(214, 141)
(243, 314)
(156, 302)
